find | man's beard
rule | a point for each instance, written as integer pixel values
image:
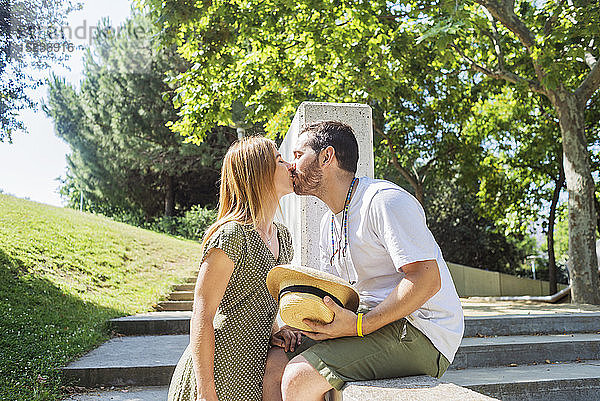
(309, 182)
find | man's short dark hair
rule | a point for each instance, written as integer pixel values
(338, 135)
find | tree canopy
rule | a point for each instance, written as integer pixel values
(124, 157)
(548, 48)
(30, 39)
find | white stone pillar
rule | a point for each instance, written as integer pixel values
(302, 214)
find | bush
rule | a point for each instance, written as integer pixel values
(191, 225)
(195, 221)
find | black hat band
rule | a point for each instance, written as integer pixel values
(307, 289)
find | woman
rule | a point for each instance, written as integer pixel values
(233, 312)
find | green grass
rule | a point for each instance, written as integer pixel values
(63, 274)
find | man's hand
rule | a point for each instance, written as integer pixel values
(287, 338)
(343, 324)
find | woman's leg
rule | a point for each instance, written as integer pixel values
(276, 362)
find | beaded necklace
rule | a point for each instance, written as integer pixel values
(344, 229)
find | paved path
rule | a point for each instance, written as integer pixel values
(482, 307)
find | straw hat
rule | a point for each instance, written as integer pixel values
(300, 291)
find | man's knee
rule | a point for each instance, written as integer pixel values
(295, 373)
(299, 377)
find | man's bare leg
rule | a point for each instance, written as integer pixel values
(276, 362)
(301, 382)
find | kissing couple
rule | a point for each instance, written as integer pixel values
(375, 237)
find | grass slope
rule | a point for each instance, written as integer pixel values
(63, 274)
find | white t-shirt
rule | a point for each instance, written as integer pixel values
(387, 230)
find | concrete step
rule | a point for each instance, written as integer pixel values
(575, 381)
(175, 306)
(153, 323)
(149, 360)
(124, 394)
(129, 361)
(181, 296)
(184, 287)
(415, 388)
(507, 325)
(474, 326)
(506, 350)
(191, 279)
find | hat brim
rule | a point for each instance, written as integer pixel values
(294, 307)
(282, 276)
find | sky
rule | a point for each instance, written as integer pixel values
(30, 166)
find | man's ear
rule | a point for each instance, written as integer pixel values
(326, 156)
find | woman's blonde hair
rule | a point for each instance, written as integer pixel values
(247, 183)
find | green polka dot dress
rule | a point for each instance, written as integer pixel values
(244, 317)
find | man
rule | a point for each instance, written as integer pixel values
(410, 319)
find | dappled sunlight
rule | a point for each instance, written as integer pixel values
(482, 307)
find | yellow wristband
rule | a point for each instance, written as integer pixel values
(359, 325)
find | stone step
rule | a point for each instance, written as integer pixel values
(474, 326)
(150, 360)
(181, 296)
(506, 350)
(184, 287)
(191, 279)
(153, 323)
(152, 393)
(575, 381)
(556, 323)
(129, 361)
(414, 388)
(175, 306)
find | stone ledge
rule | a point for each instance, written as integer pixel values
(414, 388)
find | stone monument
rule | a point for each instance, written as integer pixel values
(302, 214)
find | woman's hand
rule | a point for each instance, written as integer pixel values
(287, 338)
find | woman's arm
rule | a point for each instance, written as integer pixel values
(213, 278)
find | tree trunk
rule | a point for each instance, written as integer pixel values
(582, 262)
(419, 193)
(597, 215)
(550, 235)
(169, 197)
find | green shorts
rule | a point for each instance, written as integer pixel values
(395, 350)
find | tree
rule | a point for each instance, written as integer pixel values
(458, 221)
(29, 39)
(547, 48)
(466, 235)
(124, 157)
(519, 168)
(254, 62)
(422, 132)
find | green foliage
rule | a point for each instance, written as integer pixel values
(520, 157)
(191, 225)
(25, 36)
(254, 62)
(467, 237)
(124, 158)
(559, 35)
(63, 274)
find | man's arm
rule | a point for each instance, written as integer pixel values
(422, 281)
